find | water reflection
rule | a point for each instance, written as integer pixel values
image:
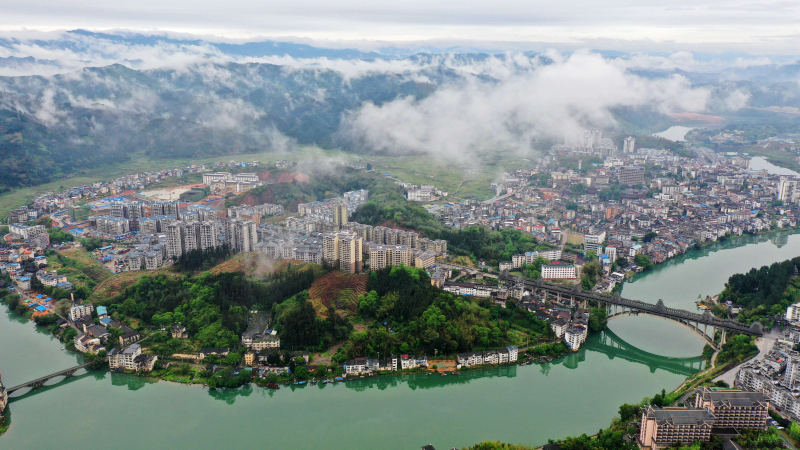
(780, 239)
(611, 345)
(425, 381)
(132, 382)
(229, 396)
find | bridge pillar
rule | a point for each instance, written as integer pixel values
(722, 338)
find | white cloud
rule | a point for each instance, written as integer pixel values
(554, 101)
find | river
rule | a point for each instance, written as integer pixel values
(576, 394)
(674, 133)
(761, 163)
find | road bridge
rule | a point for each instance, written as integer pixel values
(705, 325)
(40, 382)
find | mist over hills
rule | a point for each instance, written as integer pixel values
(72, 100)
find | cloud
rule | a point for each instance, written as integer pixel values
(555, 101)
(736, 100)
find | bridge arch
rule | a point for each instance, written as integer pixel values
(696, 330)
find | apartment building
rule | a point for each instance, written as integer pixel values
(734, 408)
(559, 272)
(344, 249)
(381, 256)
(664, 427)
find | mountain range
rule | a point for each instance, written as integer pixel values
(80, 99)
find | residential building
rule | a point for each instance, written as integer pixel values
(559, 271)
(665, 427)
(343, 249)
(381, 256)
(131, 358)
(631, 175)
(339, 214)
(575, 335)
(629, 145)
(734, 408)
(78, 311)
(559, 327)
(793, 313)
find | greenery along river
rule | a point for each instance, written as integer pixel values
(528, 404)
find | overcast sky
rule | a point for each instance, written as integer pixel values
(770, 26)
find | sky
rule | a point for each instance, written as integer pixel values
(758, 27)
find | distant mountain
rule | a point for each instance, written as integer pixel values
(80, 99)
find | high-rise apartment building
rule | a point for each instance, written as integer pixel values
(344, 249)
(629, 145)
(339, 214)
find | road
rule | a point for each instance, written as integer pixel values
(764, 344)
(468, 269)
(499, 197)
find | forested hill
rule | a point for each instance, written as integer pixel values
(764, 292)
(54, 126)
(117, 97)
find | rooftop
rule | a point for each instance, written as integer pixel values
(680, 416)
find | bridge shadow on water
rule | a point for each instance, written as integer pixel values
(613, 346)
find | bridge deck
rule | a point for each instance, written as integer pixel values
(45, 378)
(659, 309)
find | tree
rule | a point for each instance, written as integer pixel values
(643, 261)
(233, 359)
(628, 411)
(59, 236)
(301, 372)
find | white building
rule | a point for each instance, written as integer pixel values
(131, 358)
(559, 327)
(76, 312)
(793, 312)
(629, 145)
(575, 336)
(559, 272)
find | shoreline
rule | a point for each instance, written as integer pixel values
(710, 248)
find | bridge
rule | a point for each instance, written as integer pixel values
(618, 306)
(40, 382)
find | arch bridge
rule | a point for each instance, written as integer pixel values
(704, 325)
(41, 381)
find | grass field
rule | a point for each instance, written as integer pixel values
(80, 267)
(116, 283)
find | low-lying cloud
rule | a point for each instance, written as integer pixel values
(555, 101)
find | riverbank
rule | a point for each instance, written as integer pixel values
(396, 408)
(703, 248)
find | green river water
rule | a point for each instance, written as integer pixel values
(529, 404)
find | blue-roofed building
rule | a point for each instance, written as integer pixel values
(102, 311)
(41, 308)
(39, 296)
